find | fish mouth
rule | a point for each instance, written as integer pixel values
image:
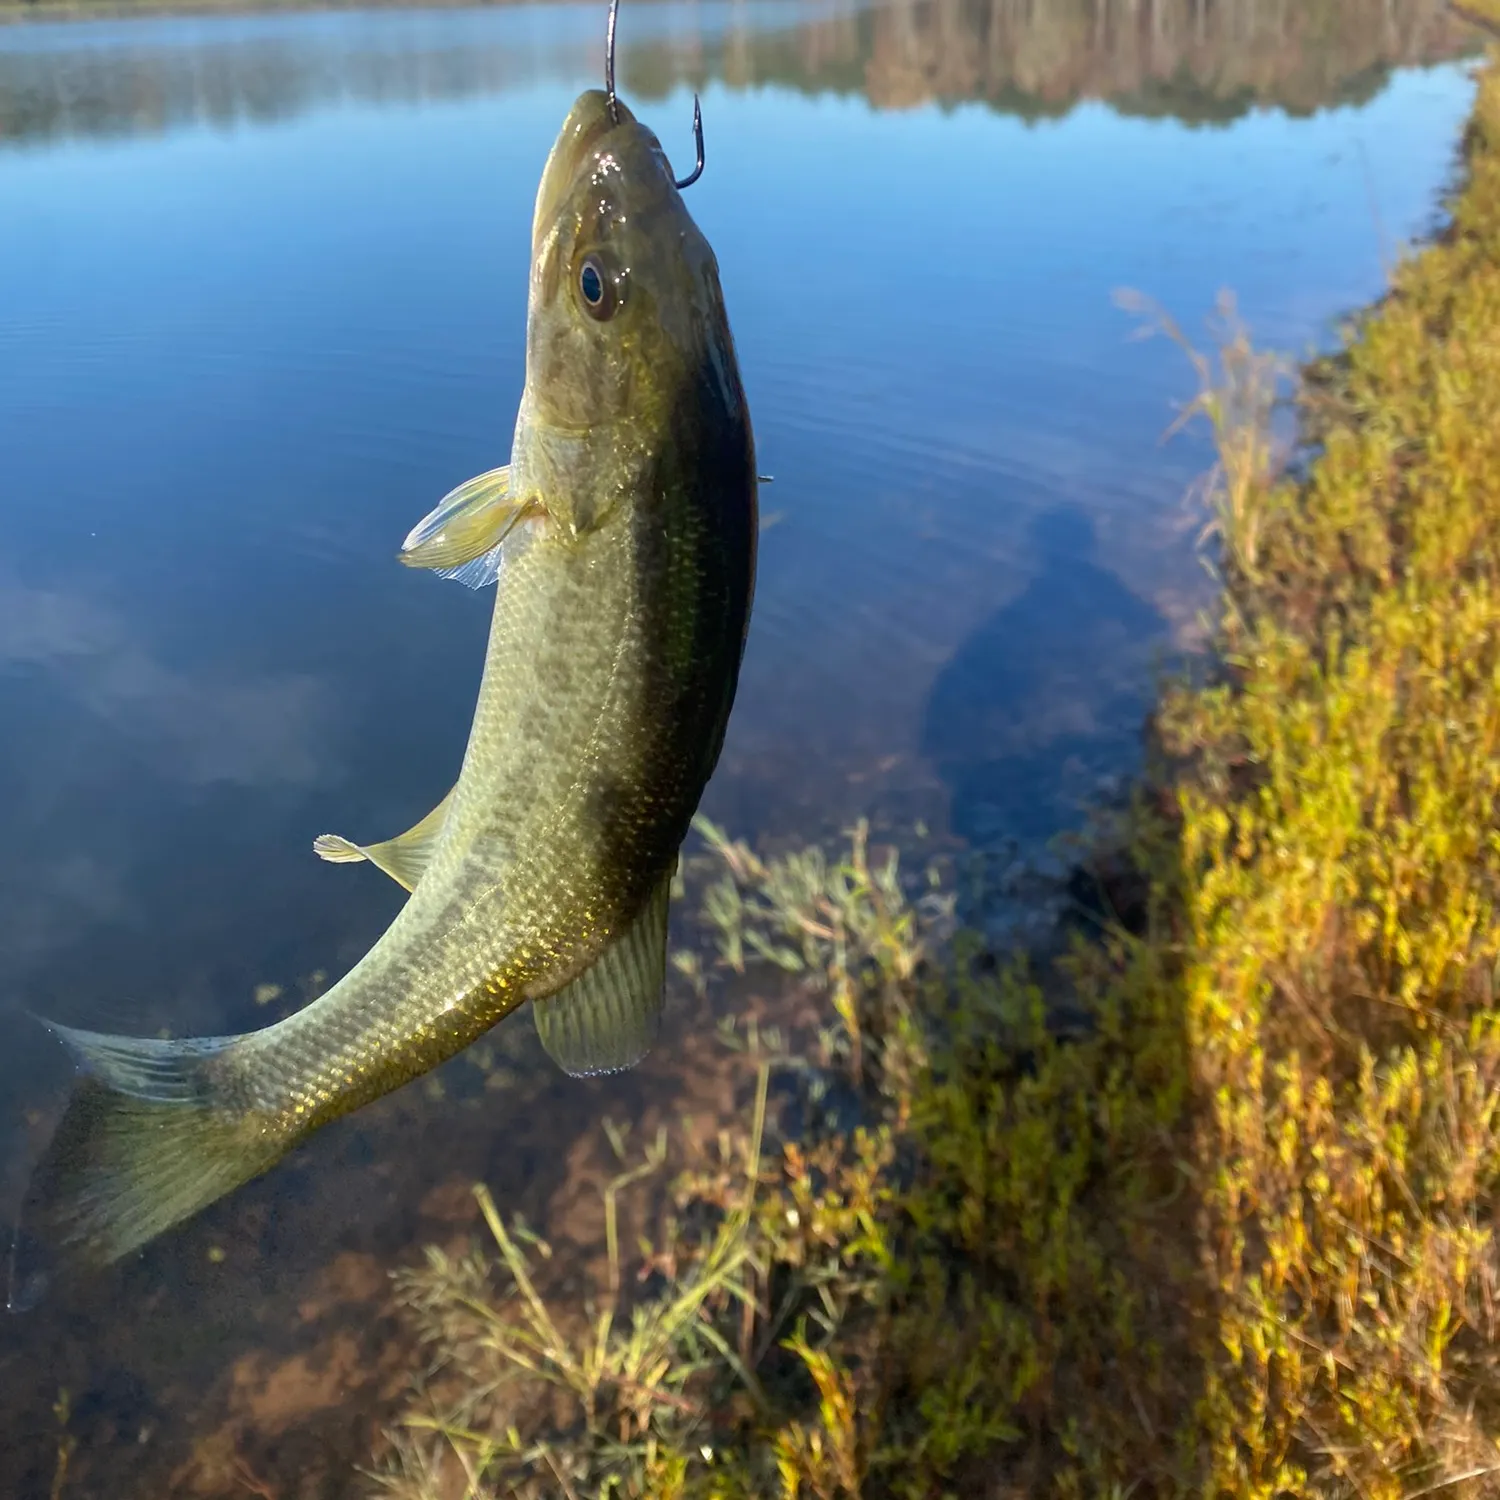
(589, 122)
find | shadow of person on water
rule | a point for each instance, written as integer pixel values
(1046, 699)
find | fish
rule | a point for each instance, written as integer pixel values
(621, 538)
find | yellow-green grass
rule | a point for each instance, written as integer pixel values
(1235, 1236)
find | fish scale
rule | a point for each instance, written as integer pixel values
(489, 947)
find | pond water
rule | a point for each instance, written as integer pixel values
(262, 299)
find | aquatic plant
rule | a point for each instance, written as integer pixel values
(704, 1363)
(849, 926)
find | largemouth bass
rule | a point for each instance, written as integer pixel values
(623, 535)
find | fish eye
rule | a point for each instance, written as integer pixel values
(597, 289)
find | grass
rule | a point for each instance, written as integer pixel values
(1234, 1235)
(687, 1367)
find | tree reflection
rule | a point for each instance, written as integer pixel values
(1194, 60)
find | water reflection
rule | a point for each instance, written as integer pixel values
(237, 365)
(189, 729)
(1195, 60)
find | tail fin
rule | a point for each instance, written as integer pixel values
(148, 1140)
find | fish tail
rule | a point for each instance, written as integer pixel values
(149, 1138)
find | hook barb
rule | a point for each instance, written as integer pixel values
(697, 171)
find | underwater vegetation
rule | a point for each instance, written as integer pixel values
(1232, 1231)
(683, 1363)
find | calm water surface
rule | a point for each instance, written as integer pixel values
(262, 298)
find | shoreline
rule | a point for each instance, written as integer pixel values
(1253, 1188)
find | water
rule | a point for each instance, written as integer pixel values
(261, 303)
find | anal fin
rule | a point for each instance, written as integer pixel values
(607, 1019)
(403, 858)
(461, 536)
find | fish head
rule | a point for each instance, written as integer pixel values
(627, 337)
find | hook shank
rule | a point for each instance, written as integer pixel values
(609, 60)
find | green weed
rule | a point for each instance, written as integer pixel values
(1234, 1235)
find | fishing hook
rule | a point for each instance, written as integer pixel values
(614, 107)
(697, 171)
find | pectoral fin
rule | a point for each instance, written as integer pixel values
(606, 1020)
(403, 858)
(461, 537)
